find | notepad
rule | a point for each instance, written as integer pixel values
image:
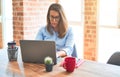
(79, 62)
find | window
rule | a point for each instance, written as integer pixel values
(73, 10)
(108, 13)
(0, 7)
(119, 13)
(0, 10)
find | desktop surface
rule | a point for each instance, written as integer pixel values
(20, 69)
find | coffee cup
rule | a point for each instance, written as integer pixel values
(69, 64)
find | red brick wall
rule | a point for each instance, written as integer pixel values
(28, 16)
(18, 20)
(90, 30)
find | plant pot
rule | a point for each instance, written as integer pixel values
(49, 67)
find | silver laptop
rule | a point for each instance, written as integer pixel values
(34, 51)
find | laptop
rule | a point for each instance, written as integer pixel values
(34, 51)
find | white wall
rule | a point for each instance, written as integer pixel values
(108, 43)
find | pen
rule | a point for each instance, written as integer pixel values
(79, 62)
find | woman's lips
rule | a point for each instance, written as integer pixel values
(54, 24)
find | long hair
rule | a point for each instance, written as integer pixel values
(62, 24)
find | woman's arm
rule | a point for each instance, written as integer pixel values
(69, 43)
(61, 54)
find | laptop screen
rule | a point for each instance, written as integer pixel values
(35, 51)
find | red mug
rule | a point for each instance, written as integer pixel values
(69, 64)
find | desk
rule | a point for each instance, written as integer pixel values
(87, 69)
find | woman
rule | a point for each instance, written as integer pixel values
(57, 30)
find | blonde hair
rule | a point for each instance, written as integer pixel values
(62, 24)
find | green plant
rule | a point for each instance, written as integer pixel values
(48, 60)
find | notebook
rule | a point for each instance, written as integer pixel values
(34, 51)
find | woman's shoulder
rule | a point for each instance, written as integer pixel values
(43, 29)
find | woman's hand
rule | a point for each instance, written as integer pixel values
(61, 54)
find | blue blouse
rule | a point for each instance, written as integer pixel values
(66, 43)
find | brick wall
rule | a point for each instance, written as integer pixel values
(1, 40)
(28, 16)
(90, 30)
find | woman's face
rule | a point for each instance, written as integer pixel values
(54, 18)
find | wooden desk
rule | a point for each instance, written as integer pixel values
(87, 69)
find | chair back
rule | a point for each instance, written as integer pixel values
(74, 54)
(115, 58)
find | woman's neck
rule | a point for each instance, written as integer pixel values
(55, 29)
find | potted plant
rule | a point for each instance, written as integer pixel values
(48, 61)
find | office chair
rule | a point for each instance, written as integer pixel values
(115, 58)
(74, 54)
